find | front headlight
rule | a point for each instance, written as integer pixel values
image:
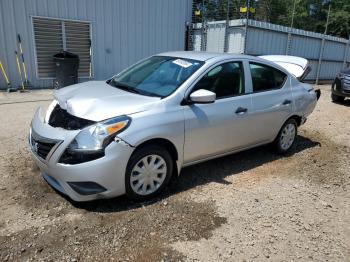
(97, 137)
(340, 75)
(49, 110)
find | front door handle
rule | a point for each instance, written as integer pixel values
(287, 102)
(241, 110)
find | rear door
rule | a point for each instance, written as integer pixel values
(271, 100)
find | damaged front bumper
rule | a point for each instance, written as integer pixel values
(99, 178)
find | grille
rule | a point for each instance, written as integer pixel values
(347, 79)
(42, 149)
(61, 118)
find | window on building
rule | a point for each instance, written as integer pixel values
(52, 36)
(266, 78)
(225, 80)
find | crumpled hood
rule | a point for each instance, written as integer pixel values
(97, 100)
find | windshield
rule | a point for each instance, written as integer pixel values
(156, 76)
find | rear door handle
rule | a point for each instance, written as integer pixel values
(241, 110)
(286, 102)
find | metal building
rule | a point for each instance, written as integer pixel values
(327, 54)
(119, 32)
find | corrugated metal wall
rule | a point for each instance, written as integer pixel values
(123, 31)
(265, 38)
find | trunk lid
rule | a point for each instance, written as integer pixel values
(297, 66)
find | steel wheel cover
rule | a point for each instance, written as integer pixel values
(287, 136)
(148, 175)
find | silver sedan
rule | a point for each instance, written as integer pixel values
(131, 133)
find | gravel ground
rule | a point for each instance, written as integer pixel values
(251, 206)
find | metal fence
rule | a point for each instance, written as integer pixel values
(228, 28)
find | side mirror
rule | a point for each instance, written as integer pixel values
(202, 96)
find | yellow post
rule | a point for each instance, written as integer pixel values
(19, 70)
(4, 73)
(23, 64)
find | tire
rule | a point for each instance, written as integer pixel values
(336, 98)
(144, 185)
(286, 137)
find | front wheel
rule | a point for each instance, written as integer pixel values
(286, 137)
(336, 98)
(148, 172)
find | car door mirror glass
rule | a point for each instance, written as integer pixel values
(202, 96)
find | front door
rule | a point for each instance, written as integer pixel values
(216, 128)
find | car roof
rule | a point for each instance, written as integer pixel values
(203, 56)
(216, 57)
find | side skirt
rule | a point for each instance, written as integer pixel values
(225, 153)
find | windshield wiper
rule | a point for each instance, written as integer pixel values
(131, 89)
(123, 86)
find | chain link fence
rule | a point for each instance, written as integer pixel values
(260, 27)
(297, 14)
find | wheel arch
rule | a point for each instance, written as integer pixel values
(168, 145)
(163, 142)
(297, 119)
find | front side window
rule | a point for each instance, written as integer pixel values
(225, 80)
(266, 78)
(156, 76)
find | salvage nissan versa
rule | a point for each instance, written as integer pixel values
(131, 133)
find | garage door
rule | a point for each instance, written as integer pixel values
(54, 35)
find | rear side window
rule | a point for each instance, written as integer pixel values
(225, 80)
(266, 78)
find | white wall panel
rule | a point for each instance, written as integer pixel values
(123, 31)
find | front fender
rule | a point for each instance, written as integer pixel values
(146, 126)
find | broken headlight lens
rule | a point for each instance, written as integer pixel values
(49, 110)
(97, 137)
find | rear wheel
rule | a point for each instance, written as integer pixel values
(337, 98)
(148, 172)
(286, 137)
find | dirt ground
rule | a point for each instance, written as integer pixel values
(251, 206)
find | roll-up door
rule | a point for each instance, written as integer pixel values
(78, 42)
(48, 41)
(54, 35)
